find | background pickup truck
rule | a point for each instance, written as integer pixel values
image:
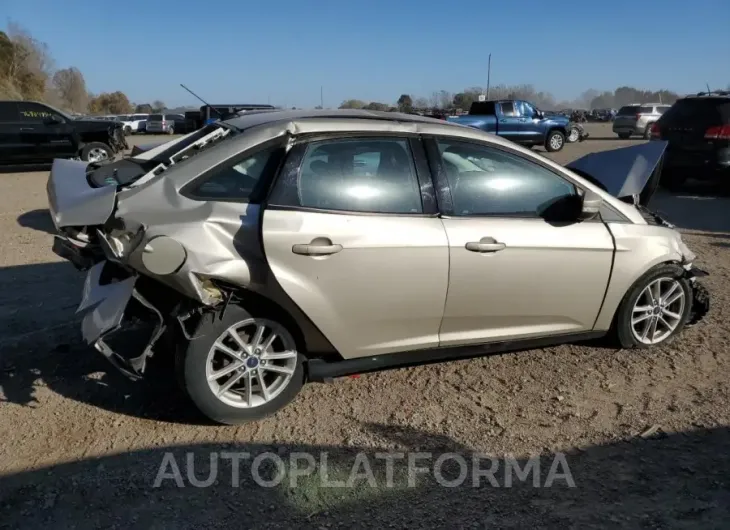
(518, 121)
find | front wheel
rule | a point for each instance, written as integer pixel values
(655, 309)
(554, 141)
(241, 368)
(96, 152)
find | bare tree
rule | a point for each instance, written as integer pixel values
(70, 85)
(31, 63)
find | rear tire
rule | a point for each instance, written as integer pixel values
(573, 135)
(555, 141)
(630, 322)
(171, 131)
(647, 131)
(624, 136)
(238, 404)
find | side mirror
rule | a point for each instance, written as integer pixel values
(590, 206)
(52, 120)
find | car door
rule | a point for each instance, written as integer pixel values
(515, 271)
(510, 124)
(352, 235)
(12, 149)
(49, 139)
(531, 124)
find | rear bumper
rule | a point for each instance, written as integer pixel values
(112, 325)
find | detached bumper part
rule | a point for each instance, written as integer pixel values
(109, 319)
(700, 299)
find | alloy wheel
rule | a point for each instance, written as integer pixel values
(251, 363)
(556, 141)
(658, 311)
(97, 154)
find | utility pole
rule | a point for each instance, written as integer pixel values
(489, 73)
(321, 97)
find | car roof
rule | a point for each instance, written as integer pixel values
(357, 120)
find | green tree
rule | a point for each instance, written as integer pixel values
(405, 103)
(352, 104)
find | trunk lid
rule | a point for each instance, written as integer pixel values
(72, 201)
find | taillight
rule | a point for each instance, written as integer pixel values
(721, 132)
(638, 116)
(655, 130)
(164, 123)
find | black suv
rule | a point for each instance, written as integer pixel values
(697, 129)
(33, 133)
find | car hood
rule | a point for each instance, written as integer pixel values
(96, 125)
(626, 172)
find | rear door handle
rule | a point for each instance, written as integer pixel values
(485, 244)
(317, 247)
(27, 129)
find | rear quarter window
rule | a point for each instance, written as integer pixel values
(628, 110)
(155, 117)
(646, 110)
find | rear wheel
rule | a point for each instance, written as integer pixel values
(555, 141)
(241, 368)
(647, 131)
(171, 131)
(624, 136)
(655, 309)
(573, 135)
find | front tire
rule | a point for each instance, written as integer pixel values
(655, 309)
(555, 141)
(96, 152)
(241, 368)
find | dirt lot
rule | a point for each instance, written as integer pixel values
(646, 434)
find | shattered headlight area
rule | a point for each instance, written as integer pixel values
(700, 297)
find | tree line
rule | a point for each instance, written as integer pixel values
(28, 72)
(590, 99)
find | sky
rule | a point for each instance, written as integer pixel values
(285, 51)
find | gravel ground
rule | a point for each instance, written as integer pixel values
(645, 434)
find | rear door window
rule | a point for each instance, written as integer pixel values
(629, 110)
(155, 117)
(508, 109)
(9, 111)
(368, 175)
(646, 110)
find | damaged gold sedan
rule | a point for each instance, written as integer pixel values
(282, 247)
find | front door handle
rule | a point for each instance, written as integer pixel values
(320, 246)
(485, 244)
(27, 129)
